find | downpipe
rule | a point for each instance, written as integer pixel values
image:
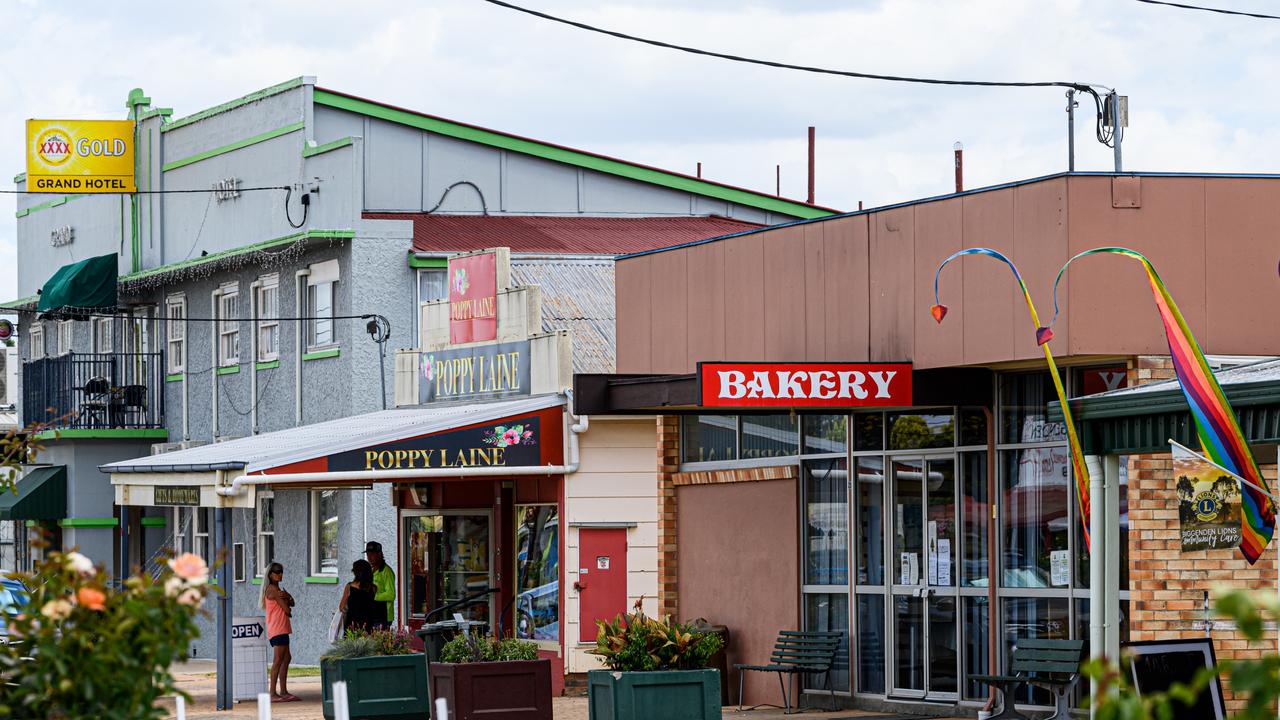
(578, 426)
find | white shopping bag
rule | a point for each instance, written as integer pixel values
(335, 626)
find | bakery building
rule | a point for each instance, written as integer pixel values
(841, 461)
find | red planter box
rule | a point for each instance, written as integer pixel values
(516, 690)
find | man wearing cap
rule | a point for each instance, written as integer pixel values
(384, 580)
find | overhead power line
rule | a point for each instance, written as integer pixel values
(1220, 11)
(154, 192)
(1085, 87)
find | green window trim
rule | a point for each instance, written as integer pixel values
(321, 354)
(155, 521)
(313, 150)
(255, 581)
(174, 377)
(20, 303)
(231, 147)
(229, 370)
(267, 365)
(20, 177)
(233, 104)
(417, 261)
(88, 522)
(105, 434)
(222, 255)
(321, 580)
(49, 204)
(578, 158)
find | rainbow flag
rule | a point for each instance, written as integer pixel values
(1043, 336)
(1220, 437)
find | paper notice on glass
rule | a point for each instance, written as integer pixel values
(905, 567)
(944, 561)
(932, 551)
(1059, 567)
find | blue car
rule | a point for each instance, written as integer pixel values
(13, 599)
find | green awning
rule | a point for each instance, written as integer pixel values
(87, 285)
(41, 495)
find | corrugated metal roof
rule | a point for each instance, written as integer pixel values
(1256, 372)
(270, 450)
(577, 295)
(560, 234)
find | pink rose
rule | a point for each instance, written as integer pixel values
(190, 567)
(511, 437)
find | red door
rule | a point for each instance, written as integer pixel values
(602, 576)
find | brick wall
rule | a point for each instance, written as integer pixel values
(1167, 585)
(668, 467)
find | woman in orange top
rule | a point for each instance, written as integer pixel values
(279, 606)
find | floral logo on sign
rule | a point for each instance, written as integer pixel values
(428, 367)
(460, 281)
(505, 436)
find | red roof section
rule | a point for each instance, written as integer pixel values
(560, 234)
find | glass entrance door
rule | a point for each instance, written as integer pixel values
(447, 556)
(923, 603)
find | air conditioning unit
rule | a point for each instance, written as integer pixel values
(160, 448)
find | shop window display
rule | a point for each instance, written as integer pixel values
(448, 560)
(537, 572)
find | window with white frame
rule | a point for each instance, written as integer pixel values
(321, 286)
(228, 326)
(200, 533)
(269, 326)
(36, 338)
(102, 338)
(324, 532)
(138, 331)
(433, 284)
(175, 312)
(182, 519)
(66, 329)
(265, 549)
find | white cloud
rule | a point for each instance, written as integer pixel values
(1198, 83)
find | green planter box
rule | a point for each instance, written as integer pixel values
(386, 686)
(667, 694)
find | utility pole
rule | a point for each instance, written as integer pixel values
(1071, 129)
(959, 150)
(1117, 129)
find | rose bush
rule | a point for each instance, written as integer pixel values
(85, 649)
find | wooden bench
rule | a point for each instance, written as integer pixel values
(798, 652)
(1051, 664)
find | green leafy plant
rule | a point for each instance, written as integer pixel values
(358, 643)
(637, 642)
(473, 648)
(1255, 679)
(82, 648)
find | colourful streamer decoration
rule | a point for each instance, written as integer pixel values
(1043, 336)
(1220, 435)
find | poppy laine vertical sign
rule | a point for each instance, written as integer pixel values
(473, 298)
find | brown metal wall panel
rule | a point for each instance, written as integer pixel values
(706, 307)
(1113, 308)
(744, 307)
(815, 295)
(635, 318)
(1039, 250)
(1242, 223)
(992, 300)
(938, 235)
(784, 294)
(669, 340)
(892, 305)
(845, 243)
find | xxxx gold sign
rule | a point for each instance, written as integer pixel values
(474, 373)
(80, 156)
(510, 443)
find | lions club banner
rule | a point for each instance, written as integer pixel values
(1208, 502)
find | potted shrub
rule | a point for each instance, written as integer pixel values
(385, 677)
(482, 677)
(656, 668)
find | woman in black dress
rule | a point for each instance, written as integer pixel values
(357, 605)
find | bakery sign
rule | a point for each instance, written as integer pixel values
(834, 385)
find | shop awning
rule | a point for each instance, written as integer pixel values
(41, 495)
(86, 285)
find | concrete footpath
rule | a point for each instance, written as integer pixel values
(197, 678)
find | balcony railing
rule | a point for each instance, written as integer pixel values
(95, 391)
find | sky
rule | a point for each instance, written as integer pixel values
(1201, 86)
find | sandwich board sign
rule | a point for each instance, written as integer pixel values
(248, 657)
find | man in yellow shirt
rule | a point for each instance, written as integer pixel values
(384, 579)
